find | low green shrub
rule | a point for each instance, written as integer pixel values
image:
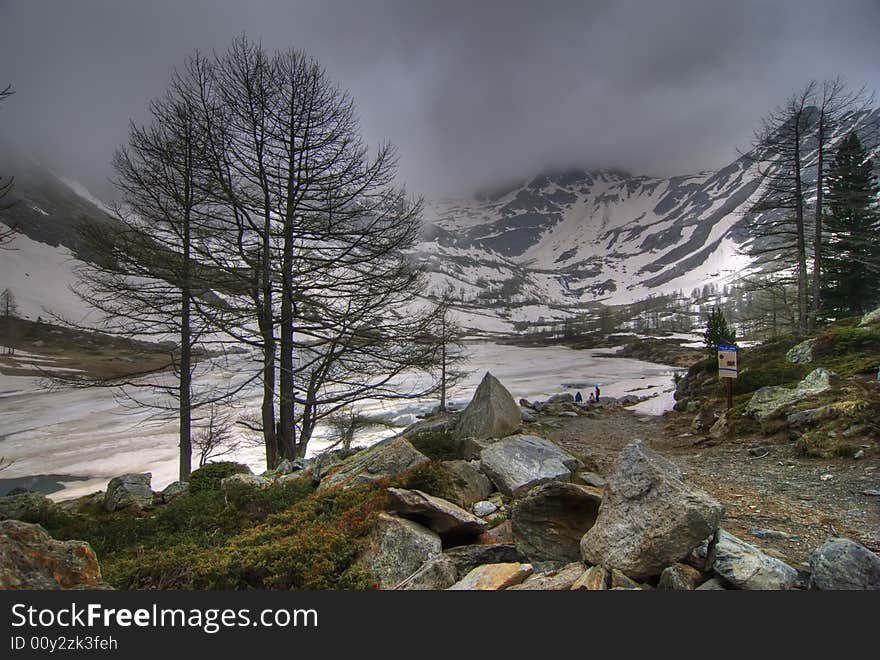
(208, 477)
(437, 445)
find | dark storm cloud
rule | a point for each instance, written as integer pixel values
(472, 93)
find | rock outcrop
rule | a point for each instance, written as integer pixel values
(801, 353)
(129, 491)
(650, 517)
(518, 463)
(492, 413)
(549, 522)
(31, 559)
(842, 564)
(768, 400)
(387, 458)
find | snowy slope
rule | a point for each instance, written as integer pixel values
(566, 240)
(559, 244)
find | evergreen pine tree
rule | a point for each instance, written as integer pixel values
(717, 331)
(853, 255)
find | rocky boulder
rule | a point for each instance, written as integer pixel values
(493, 577)
(649, 517)
(31, 559)
(448, 520)
(174, 490)
(841, 564)
(129, 491)
(462, 483)
(492, 413)
(768, 400)
(243, 483)
(549, 522)
(387, 458)
(801, 353)
(680, 577)
(519, 463)
(484, 508)
(398, 548)
(744, 566)
(287, 466)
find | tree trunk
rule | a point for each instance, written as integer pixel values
(185, 363)
(285, 412)
(817, 239)
(267, 331)
(801, 238)
(443, 339)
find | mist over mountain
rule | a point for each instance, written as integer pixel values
(568, 239)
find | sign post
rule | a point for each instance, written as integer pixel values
(727, 368)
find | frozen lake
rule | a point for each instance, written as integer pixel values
(75, 440)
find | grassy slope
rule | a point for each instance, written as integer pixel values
(284, 537)
(851, 352)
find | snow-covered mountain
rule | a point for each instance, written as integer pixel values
(563, 241)
(39, 264)
(556, 245)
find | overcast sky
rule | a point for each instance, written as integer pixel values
(473, 93)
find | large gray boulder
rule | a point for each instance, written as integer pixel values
(518, 463)
(744, 566)
(129, 491)
(462, 483)
(174, 490)
(450, 521)
(650, 517)
(549, 522)
(398, 548)
(768, 400)
(842, 564)
(387, 458)
(492, 413)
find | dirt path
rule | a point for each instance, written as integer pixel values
(762, 483)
